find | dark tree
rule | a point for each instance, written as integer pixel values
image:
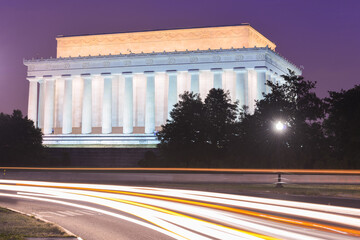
(20, 141)
(300, 145)
(182, 137)
(343, 126)
(220, 119)
(199, 133)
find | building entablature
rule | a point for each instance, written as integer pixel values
(249, 58)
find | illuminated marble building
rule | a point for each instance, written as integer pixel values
(118, 89)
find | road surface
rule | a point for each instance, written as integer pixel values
(123, 176)
(93, 211)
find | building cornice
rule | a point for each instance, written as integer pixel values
(164, 53)
(168, 58)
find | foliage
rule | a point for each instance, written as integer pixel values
(220, 122)
(198, 133)
(182, 137)
(300, 145)
(20, 141)
(320, 133)
(342, 126)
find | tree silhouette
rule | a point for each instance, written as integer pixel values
(342, 126)
(182, 137)
(296, 105)
(20, 141)
(220, 119)
(198, 133)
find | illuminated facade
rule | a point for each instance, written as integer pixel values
(118, 89)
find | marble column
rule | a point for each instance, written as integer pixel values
(280, 79)
(261, 80)
(49, 104)
(86, 118)
(128, 103)
(217, 77)
(276, 79)
(67, 112)
(106, 122)
(33, 98)
(194, 73)
(273, 80)
(242, 86)
(172, 92)
(40, 123)
(268, 78)
(150, 102)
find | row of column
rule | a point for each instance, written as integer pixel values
(46, 101)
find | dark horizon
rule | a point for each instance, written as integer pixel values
(322, 36)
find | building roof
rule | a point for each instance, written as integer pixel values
(225, 37)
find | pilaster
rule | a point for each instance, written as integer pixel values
(86, 116)
(49, 104)
(268, 78)
(172, 92)
(40, 119)
(261, 80)
(194, 73)
(242, 86)
(33, 98)
(150, 102)
(128, 103)
(217, 77)
(67, 112)
(106, 123)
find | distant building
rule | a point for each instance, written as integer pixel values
(118, 89)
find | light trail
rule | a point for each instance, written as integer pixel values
(184, 214)
(224, 170)
(95, 210)
(271, 217)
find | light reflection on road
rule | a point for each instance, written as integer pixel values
(188, 214)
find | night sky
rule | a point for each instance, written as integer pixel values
(323, 36)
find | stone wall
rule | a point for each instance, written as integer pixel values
(96, 157)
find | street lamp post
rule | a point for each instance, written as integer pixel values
(279, 127)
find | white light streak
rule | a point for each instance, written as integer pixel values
(182, 214)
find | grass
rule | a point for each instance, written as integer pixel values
(16, 226)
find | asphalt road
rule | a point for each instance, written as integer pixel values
(128, 212)
(128, 177)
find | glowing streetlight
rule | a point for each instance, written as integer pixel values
(280, 126)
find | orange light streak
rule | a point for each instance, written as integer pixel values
(215, 170)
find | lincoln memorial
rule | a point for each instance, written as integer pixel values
(118, 89)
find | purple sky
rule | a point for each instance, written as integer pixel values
(321, 35)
